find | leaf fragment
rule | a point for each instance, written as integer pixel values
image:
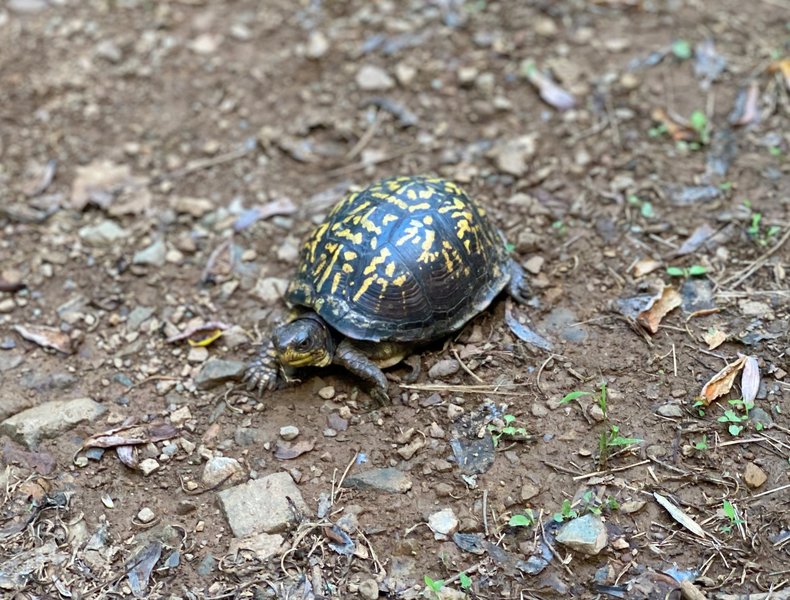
(47, 337)
(750, 380)
(549, 91)
(721, 382)
(668, 300)
(679, 515)
(645, 266)
(714, 338)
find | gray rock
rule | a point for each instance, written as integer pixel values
(262, 505)
(207, 565)
(138, 316)
(148, 466)
(7, 343)
(586, 534)
(103, 234)
(51, 381)
(372, 78)
(670, 409)
(444, 368)
(758, 415)
(512, 156)
(220, 469)
(289, 432)
(369, 589)
(154, 255)
(145, 515)
(216, 372)
(50, 419)
(317, 45)
(443, 523)
(197, 207)
(384, 480)
(270, 290)
(10, 360)
(109, 51)
(262, 545)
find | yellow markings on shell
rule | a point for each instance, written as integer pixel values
(389, 218)
(448, 261)
(411, 194)
(336, 280)
(349, 255)
(369, 225)
(357, 209)
(389, 270)
(420, 206)
(347, 268)
(411, 231)
(427, 256)
(376, 261)
(427, 219)
(399, 280)
(374, 242)
(332, 261)
(457, 204)
(346, 234)
(426, 194)
(364, 287)
(462, 228)
(467, 244)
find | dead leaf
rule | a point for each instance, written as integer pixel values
(714, 338)
(781, 66)
(700, 235)
(677, 131)
(47, 337)
(286, 451)
(679, 515)
(721, 382)
(280, 206)
(200, 335)
(750, 380)
(131, 434)
(644, 266)
(524, 333)
(662, 304)
(550, 92)
(102, 183)
(746, 108)
(40, 184)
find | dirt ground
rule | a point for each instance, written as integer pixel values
(161, 162)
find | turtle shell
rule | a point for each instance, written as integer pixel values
(406, 259)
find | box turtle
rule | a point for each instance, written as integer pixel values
(401, 263)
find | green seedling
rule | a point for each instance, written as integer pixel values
(658, 130)
(645, 207)
(692, 271)
(701, 445)
(754, 227)
(434, 585)
(726, 186)
(755, 232)
(732, 514)
(700, 406)
(612, 503)
(700, 124)
(775, 151)
(509, 430)
(566, 512)
(524, 520)
(510, 247)
(560, 228)
(681, 49)
(612, 439)
(734, 420)
(570, 397)
(464, 580)
(602, 401)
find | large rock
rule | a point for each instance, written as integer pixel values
(216, 371)
(50, 419)
(385, 480)
(262, 505)
(586, 534)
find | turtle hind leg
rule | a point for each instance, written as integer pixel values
(517, 286)
(353, 359)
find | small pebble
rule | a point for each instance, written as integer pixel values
(289, 432)
(444, 368)
(146, 515)
(327, 392)
(148, 466)
(454, 411)
(369, 589)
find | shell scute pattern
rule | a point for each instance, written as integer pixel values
(406, 259)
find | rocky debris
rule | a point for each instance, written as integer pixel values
(105, 233)
(585, 534)
(220, 469)
(270, 290)
(216, 371)
(369, 589)
(317, 45)
(16, 572)
(513, 156)
(289, 432)
(443, 523)
(138, 316)
(146, 515)
(327, 392)
(262, 545)
(670, 409)
(529, 491)
(154, 255)
(371, 78)
(388, 479)
(754, 476)
(444, 368)
(262, 505)
(50, 419)
(196, 207)
(148, 466)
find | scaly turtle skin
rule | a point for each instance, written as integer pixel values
(403, 262)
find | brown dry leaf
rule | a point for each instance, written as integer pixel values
(677, 131)
(679, 515)
(721, 382)
(750, 380)
(102, 182)
(781, 66)
(286, 451)
(202, 334)
(667, 300)
(644, 266)
(131, 434)
(48, 337)
(714, 338)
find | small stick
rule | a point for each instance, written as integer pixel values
(674, 360)
(608, 471)
(345, 473)
(744, 274)
(465, 368)
(485, 511)
(760, 495)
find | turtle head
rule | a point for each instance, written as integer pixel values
(304, 342)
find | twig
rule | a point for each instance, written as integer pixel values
(345, 473)
(365, 139)
(767, 492)
(608, 471)
(465, 368)
(485, 511)
(199, 165)
(744, 274)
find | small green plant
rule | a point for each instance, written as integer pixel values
(464, 580)
(755, 230)
(754, 227)
(434, 585)
(571, 396)
(612, 439)
(681, 49)
(658, 130)
(700, 124)
(692, 271)
(527, 519)
(732, 514)
(612, 503)
(726, 186)
(566, 512)
(560, 228)
(645, 207)
(510, 247)
(701, 445)
(700, 406)
(602, 401)
(734, 420)
(509, 430)
(775, 151)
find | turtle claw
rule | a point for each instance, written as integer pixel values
(262, 373)
(518, 288)
(380, 397)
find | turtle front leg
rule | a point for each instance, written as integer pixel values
(517, 287)
(353, 359)
(262, 373)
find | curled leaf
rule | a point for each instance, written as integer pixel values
(714, 338)
(679, 515)
(660, 305)
(286, 451)
(721, 382)
(550, 92)
(750, 380)
(48, 337)
(200, 335)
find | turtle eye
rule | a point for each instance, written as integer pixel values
(303, 344)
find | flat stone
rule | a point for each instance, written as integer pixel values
(270, 290)
(197, 207)
(389, 480)
(327, 392)
(373, 78)
(148, 466)
(105, 233)
(262, 545)
(197, 354)
(444, 368)
(586, 534)
(317, 45)
(534, 264)
(262, 505)
(512, 156)
(220, 469)
(10, 360)
(50, 419)
(216, 371)
(443, 523)
(154, 255)
(138, 316)
(529, 491)
(180, 415)
(670, 409)
(369, 589)
(754, 476)
(146, 515)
